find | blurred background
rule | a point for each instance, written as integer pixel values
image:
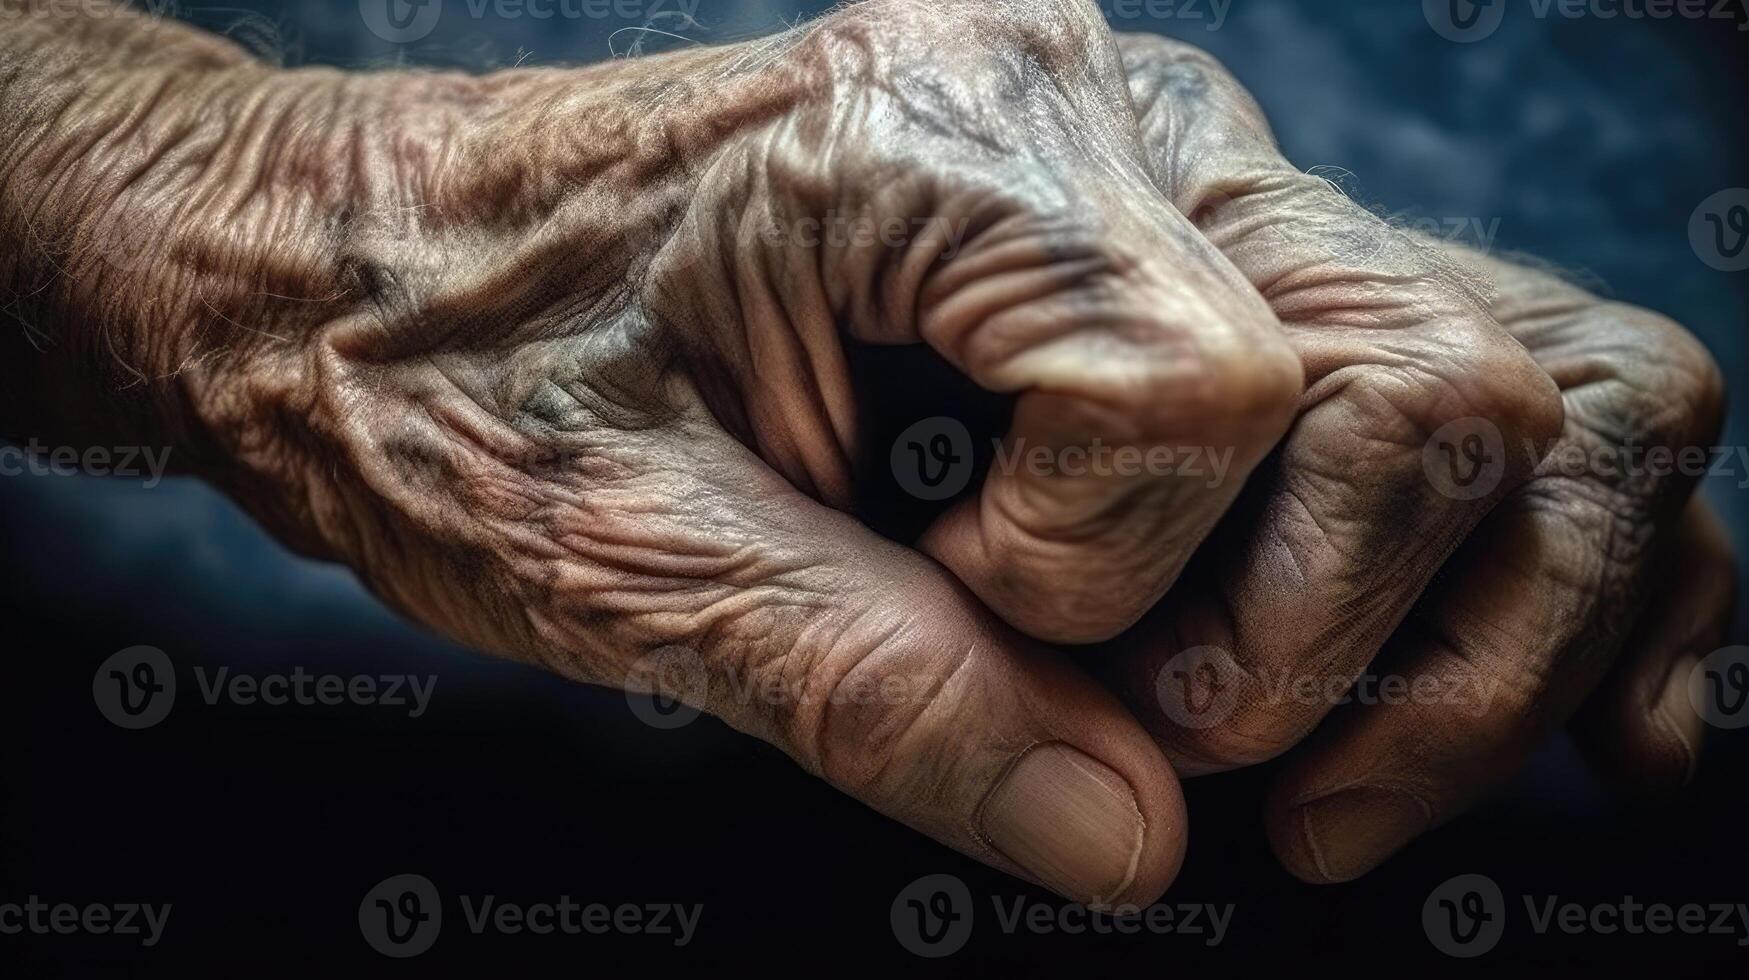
(1590, 141)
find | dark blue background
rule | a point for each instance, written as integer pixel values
(1591, 141)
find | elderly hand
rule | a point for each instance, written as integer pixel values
(564, 363)
(559, 362)
(1483, 500)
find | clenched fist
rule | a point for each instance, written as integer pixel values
(573, 366)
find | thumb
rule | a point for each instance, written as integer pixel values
(875, 669)
(612, 532)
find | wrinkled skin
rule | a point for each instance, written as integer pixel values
(1342, 536)
(554, 360)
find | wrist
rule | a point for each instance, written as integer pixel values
(188, 229)
(219, 255)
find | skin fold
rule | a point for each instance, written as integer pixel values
(560, 362)
(1538, 584)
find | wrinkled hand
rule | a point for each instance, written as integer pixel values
(1472, 502)
(584, 396)
(565, 364)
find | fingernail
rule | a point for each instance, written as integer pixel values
(1349, 832)
(1070, 821)
(1682, 723)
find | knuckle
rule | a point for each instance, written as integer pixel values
(1039, 591)
(1059, 33)
(1239, 394)
(1056, 35)
(1519, 691)
(1676, 388)
(998, 81)
(1147, 54)
(873, 705)
(1218, 711)
(1251, 737)
(1255, 390)
(1109, 329)
(1182, 95)
(1159, 64)
(1468, 373)
(1491, 376)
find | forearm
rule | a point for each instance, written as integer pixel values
(202, 253)
(168, 205)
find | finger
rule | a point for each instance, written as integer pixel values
(1408, 375)
(1117, 365)
(1009, 754)
(871, 667)
(1126, 339)
(1640, 730)
(1532, 612)
(659, 553)
(1041, 261)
